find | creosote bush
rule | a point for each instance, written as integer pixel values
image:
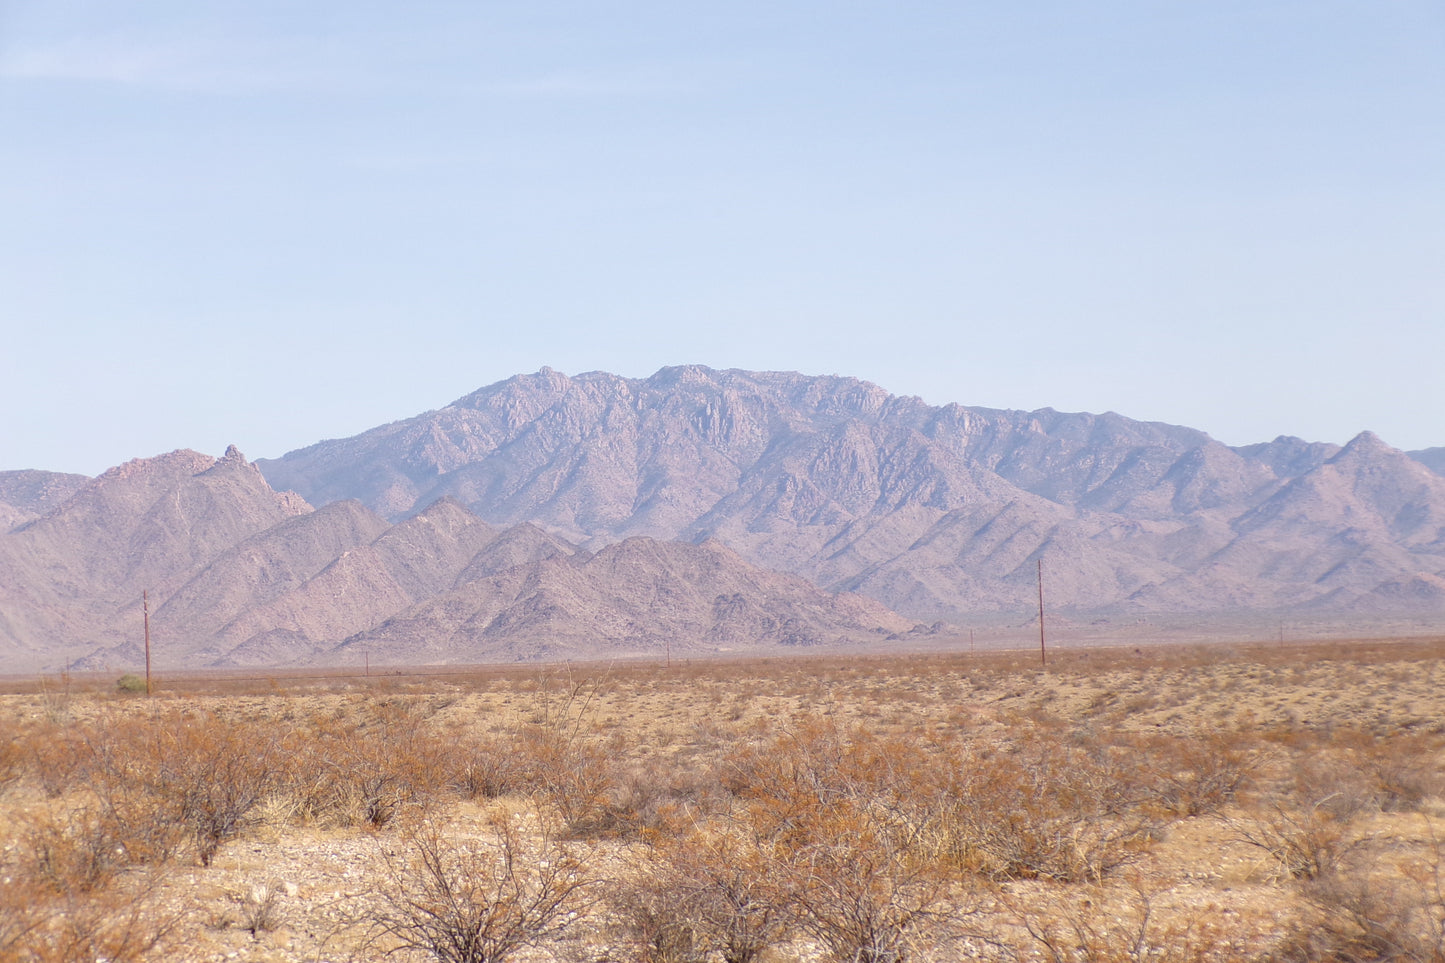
(130, 684)
(1305, 842)
(1093, 925)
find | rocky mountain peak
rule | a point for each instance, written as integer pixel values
(837, 480)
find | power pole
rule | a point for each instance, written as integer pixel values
(1043, 655)
(145, 607)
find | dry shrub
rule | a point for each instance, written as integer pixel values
(478, 901)
(1388, 908)
(658, 798)
(1090, 925)
(833, 812)
(1395, 772)
(484, 768)
(61, 903)
(656, 922)
(260, 908)
(699, 894)
(1039, 807)
(183, 769)
(857, 894)
(12, 757)
(366, 772)
(17, 913)
(1197, 775)
(1306, 842)
(81, 850)
(563, 761)
(55, 756)
(574, 774)
(786, 781)
(118, 927)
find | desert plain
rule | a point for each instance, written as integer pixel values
(1250, 801)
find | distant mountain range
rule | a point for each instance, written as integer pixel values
(939, 512)
(552, 517)
(238, 574)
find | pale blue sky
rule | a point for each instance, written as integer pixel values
(268, 223)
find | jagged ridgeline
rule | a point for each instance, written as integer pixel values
(938, 512)
(552, 517)
(239, 574)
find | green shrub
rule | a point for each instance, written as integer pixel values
(130, 682)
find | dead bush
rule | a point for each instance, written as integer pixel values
(192, 769)
(485, 768)
(477, 901)
(702, 893)
(1356, 769)
(785, 781)
(1306, 842)
(18, 916)
(838, 816)
(1388, 908)
(1194, 776)
(657, 798)
(368, 771)
(1396, 772)
(1092, 925)
(12, 757)
(856, 893)
(1040, 808)
(55, 756)
(260, 908)
(79, 851)
(110, 926)
(656, 922)
(120, 923)
(575, 775)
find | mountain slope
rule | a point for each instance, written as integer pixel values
(636, 597)
(939, 512)
(238, 574)
(26, 495)
(74, 577)
(1431, 458)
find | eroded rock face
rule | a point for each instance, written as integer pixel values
(939, 512)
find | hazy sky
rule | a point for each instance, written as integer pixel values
(269, 223)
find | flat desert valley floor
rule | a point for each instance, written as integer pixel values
(1167, 803)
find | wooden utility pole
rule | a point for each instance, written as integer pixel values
(145, 607)
(1043, 654)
